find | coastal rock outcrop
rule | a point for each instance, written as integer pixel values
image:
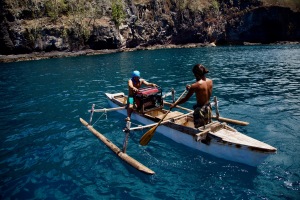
(264, 25)
(41, 26)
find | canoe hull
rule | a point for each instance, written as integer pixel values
(216, 147)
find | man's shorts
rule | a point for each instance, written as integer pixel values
(130, 101)
(202, 115)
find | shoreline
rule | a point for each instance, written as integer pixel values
(89, 52)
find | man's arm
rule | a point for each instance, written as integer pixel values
(191, 91)
(143, 81)
(130, 85)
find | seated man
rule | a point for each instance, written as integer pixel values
(134, 85)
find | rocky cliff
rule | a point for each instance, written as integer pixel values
(73, 25)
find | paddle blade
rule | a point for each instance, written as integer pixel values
(145, 139)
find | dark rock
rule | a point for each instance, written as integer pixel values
(264, 25)
(7, 46)
(153, 23)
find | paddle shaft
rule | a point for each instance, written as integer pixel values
(145, 139)
(154, 124)
(162, 119)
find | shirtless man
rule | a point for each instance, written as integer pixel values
(203, 89)
(134, 85)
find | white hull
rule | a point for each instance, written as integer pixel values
(237, 153)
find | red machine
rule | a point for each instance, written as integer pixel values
(148, 99)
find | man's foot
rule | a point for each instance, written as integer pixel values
(127, 119)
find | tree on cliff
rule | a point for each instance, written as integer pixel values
(118, 14)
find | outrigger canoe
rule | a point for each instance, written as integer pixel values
(216, 138)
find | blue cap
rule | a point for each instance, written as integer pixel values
(136, 73)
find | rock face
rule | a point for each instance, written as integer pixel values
(264, 25)
(141, 23)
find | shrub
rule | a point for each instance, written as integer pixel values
(118, 14)
(54, 9)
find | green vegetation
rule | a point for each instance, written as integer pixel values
(197, 6)
(93, 9)
(181, 4)
(215, 5)
(118, 14)
(55, 9)
(79, 15)
(77, 19)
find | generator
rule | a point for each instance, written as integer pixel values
(148, 99)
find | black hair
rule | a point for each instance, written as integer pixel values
(199, 70)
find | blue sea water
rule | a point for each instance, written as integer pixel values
(46, 153)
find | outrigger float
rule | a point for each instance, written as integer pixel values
(216, 138)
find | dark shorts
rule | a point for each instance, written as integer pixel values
(202, 115)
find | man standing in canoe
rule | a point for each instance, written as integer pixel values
(203, 89)
(134, 85)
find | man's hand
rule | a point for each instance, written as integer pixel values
(172, 105)
(135, 89)
(187, 87)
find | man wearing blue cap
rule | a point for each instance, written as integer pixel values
(134, 85)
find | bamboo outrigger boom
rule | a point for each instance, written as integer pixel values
(139, 166)
(107, 109)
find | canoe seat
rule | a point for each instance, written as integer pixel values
(216, 126)
(121, 99)
(170, 115)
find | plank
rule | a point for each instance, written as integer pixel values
(235, 137)
(170, 115)
(222, 119)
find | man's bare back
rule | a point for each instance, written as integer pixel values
(203, 90)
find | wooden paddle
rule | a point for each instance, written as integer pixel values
(145, 139)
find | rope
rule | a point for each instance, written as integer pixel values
(100, 118)
(104, 113)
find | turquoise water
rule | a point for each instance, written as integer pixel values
(46, 153)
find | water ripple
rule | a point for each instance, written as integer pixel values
(47, 154)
